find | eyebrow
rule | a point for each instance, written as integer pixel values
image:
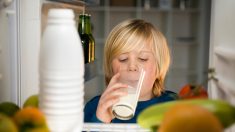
(142, 51)
(145, 51)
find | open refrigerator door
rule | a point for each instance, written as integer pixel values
(9, 52)
(222, 55)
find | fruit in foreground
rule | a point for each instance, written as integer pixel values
(30, 119)
(31, 101)
(6, 124)
(9, 108)
(189, 118)
(152, 116)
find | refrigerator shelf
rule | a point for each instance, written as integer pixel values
(117, 127)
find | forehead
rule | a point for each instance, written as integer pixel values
(132, 42)
(136, 47)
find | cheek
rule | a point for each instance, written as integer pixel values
(115, 66)
(149, 78)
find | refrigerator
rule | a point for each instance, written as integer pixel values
(20, 36)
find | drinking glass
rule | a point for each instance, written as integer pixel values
(125, 108)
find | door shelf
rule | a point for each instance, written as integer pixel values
(226, 85)
(226, 53)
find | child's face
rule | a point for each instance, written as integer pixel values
(132, 61)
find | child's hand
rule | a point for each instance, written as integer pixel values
(110, 96)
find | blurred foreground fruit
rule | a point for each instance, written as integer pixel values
(189, 118)
(30, 119)
(31, 101)
(6, 124)
(152, 116)
(192, 91)
(9, 108)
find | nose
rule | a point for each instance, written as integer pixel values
(133, 66)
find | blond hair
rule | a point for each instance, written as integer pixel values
(133, 34)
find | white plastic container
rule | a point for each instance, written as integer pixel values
(62, 72)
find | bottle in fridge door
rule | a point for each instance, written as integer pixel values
(62, 72)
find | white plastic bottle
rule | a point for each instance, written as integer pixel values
(62, 72)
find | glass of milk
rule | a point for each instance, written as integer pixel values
(126, 106)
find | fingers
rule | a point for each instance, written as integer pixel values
(105, 105)
(111, 98)
(114, 79)
(113, 88)
(104, 110)
(117, 93)
(113, 84)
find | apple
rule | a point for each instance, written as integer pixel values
(9, 108)
(6, 124)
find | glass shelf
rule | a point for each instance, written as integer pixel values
(116, 127)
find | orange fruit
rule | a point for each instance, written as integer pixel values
(190, 91)
(30, 119)
(189, 118)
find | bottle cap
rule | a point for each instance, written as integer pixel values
(61, 13)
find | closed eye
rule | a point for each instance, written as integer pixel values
(143, 59)
(123, 60)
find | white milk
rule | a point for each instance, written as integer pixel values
(126, 106)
